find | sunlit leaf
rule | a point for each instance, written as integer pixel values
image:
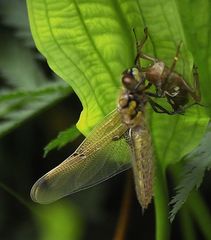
(89, 44)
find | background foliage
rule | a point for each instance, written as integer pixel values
(89, 44)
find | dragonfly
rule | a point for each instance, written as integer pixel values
(120, 141)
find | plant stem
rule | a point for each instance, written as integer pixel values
(200, 213)
(15, 195)
(161, 205)
(186, 224)
(124, 210)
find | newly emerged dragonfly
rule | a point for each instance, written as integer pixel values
(120, 141)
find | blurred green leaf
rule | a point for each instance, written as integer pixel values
(62, 139)
(15, 15)
(198, 161)
(26, 90)
(59, 221)
(19, 105)
(18, 64)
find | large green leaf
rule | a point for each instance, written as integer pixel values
(175, 136)
(195, 18)
(90, 43)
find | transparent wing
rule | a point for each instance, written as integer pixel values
(103, 154)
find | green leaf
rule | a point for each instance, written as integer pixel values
(87, 48)
(15, 15)
(89, 44)
(18, 106)
(176, 136)
(59, 221)
(199, 160)
(18, 64)
(195, 19)
(62, 139)
(30, 91)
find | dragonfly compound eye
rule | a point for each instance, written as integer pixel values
(129, 81)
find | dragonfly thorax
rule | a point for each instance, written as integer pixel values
(130, 109)
(132, 101)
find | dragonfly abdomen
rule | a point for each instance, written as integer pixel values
(142, 163)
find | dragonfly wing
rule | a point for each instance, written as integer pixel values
(103, 154)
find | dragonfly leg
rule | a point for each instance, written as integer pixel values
(140, 83)
(196, 91)
(178, 109)
(140, 54)
(156, 95)
(173, 65)
(116, 138)
(159, 109)
(139, 46)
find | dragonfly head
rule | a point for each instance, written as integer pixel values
(131, 78)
